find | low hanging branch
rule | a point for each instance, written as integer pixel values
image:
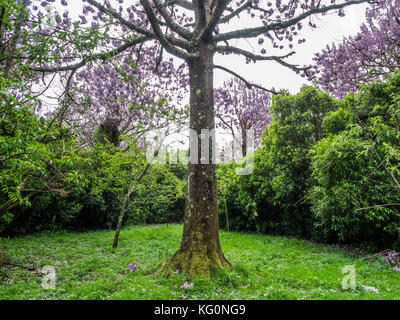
(368, 133)
(248, 84)
(379, 206)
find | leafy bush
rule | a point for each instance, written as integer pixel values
(107, 174)
(327, 170)
(356, 168)
(272, 199)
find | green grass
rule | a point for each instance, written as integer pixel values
(266, 267)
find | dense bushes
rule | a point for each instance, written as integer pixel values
(356, 168)
(327, 170)
(273, 196)
(107, 174)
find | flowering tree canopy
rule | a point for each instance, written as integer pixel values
(367, 56)
(133, 95)
(240, 109)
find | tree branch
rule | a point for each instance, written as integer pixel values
(215, 17)
(248, 84)
(96, 56)
(117, 16)
(182, 3)
(186, 34)
(235, 13)
(134, 27)
(159, 34)
(254, 57)
(255, 32)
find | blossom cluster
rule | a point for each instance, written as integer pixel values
(133, 266)
(367, 56)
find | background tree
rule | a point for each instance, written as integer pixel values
(242, 111)
(327, 170)
(36, 155)
(132, 95)
(193, 31)
(356, 168)
(367, 56)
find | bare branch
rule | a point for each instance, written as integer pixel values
(96, 56)
(254, 57)
(248, 84)
(159, 34)
(134, 27)
(200, 13)
(255, 32)
(171, 23)
(182, 3)
(235, 13)
(215, 17)
(117, 16)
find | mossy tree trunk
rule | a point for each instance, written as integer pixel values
(200, 250)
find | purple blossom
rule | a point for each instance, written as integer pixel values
(187, 285)
(367, 56)
(239, 108)
(133, 266)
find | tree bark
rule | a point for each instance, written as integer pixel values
(200, 250)
(244, 142)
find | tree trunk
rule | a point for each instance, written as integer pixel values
(125, 202)
(200, 250)
(244, 142)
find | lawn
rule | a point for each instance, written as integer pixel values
(266, 267)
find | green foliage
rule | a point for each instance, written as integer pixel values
(31, 148)
(272, 198)
(158, 197)
(265, 268)
(327, 170)
(36, 155)
(233, 206)
(356, 197)
(108, 173)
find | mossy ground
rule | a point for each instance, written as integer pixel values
(266, 267)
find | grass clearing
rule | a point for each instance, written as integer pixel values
(266, 267)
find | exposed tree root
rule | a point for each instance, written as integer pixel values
(196, 263)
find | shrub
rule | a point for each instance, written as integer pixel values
(272, 199)
(356, 168)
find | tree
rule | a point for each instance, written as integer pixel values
(240, 109)
(36, 155)
(356, 167)
(193, 31)
(367, 56)
(282, 175)
(132, 95)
